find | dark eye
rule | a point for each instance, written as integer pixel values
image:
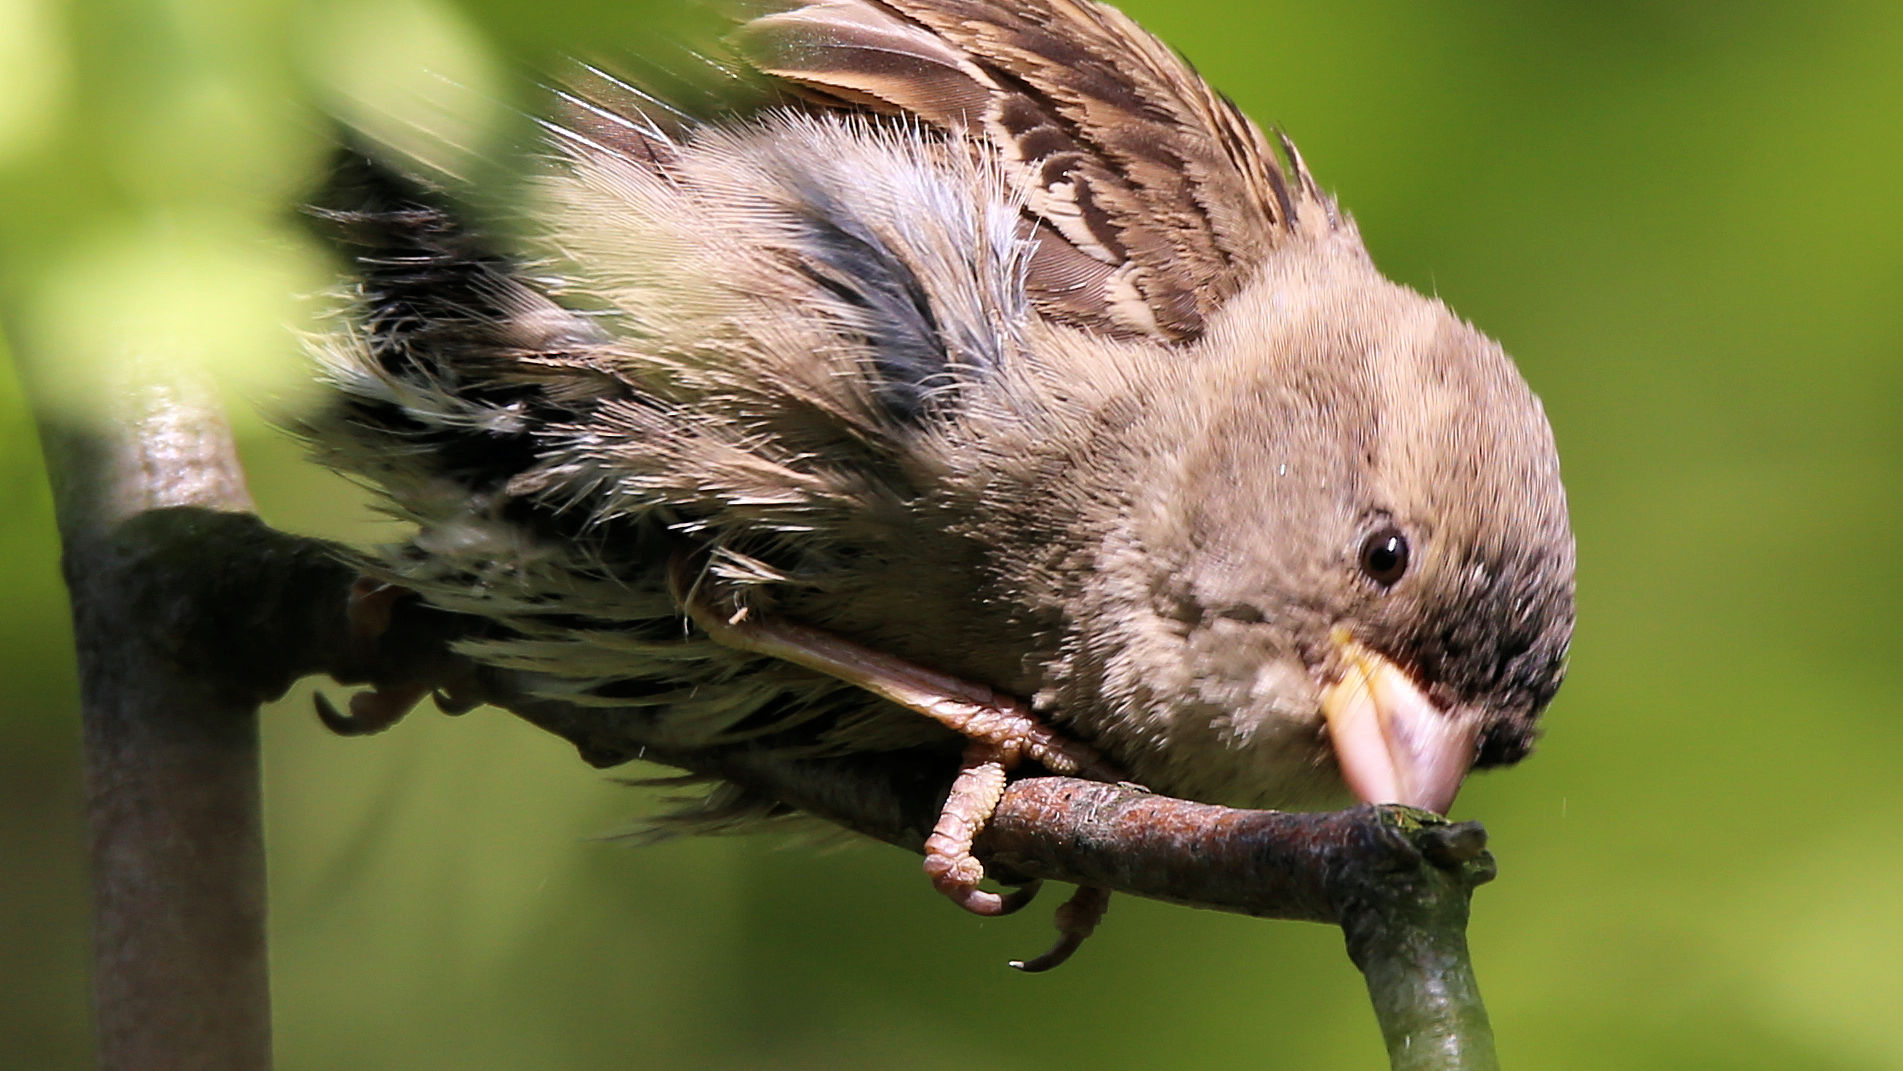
(1384, 556)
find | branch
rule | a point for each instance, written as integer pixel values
(171, 752)
(1396, 881)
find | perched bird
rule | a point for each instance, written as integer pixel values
(976, 378)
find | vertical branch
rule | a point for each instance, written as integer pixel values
(1407, 931)
(172, 778)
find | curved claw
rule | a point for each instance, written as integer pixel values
(957, 879)
(1017, 898)
(370, 712)
(1054, 956)
(1076, 919)
(990, 904)
(334, 720)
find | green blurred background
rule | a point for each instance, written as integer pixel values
(1684, 219)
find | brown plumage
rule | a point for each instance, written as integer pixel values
(990, 339)
(1151, 197)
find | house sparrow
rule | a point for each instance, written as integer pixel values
(981, 381)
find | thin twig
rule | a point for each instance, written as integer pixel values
(1397, 881)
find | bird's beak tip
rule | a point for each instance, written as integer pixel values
(1392, 743)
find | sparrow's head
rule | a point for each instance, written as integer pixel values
(1347, 547)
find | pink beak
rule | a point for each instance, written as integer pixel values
(1392, 743)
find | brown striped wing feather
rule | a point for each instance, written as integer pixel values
(1150, 195)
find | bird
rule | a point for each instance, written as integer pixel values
(970, 378)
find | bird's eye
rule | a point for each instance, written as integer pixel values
(1384, 556)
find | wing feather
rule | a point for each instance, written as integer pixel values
(1151, 196)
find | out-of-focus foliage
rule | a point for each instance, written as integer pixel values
(1681, 217)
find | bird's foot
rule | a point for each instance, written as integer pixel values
(1001, 729)
(956, 872)
(968, 806)
(369, 613)
(1076, 919)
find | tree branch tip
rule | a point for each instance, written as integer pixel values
(1459, 847)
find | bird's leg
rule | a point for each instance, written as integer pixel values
(1001, 728)
(968, 708)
